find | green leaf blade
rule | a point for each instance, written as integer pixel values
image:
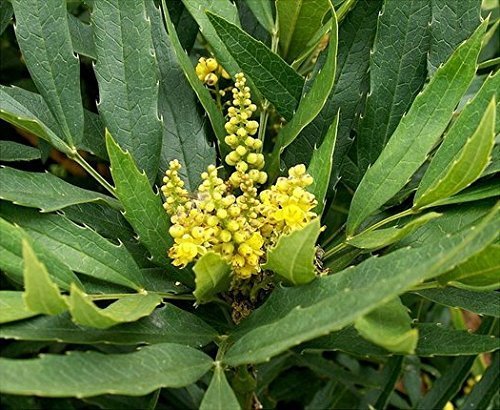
(398, 70)
(273, 77)
(219, 395)
(135, 374)
(143, 208)
(127, 309)
(12, 307)
(331, 303)
(417, 132)
(45, 191)
(13, 151)
(389, 326)
(43, 35)
(213, 275)
(293, 256)
(126, 71)
(41, 295)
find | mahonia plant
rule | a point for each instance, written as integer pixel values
(231, 217)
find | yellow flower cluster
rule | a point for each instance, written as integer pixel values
(209, 70)
(231, 217)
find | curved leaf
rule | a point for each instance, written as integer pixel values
(293, 256)
(13, 151)
(417, 132)
(213, 275)
(219, 395)
(133, 374)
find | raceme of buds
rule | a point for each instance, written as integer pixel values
(231, 217)
(209, 70)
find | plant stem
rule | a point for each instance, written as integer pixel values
(123, 295)
(86, 166)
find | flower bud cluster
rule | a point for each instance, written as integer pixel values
(231, 217)
(209, 70)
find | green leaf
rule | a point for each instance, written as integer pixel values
(417, 133)
(434, 340)
(143, 208)
(389, 326)
(451, 23)
(383, 237)
(168, 324)
(5, 15)
(12, 306)
(273, 77)
(213, 112)
(294, 315)
(41, 295)
(293, 256)
(478, 273)
(355, 40)
(312, 100)
(452, 379)
(43, 35)
(390, 375)
(298, 23)
(80, 248)
(13, 151)
(398, 70)
(127, 74)
(225, 9)
(11, 256)
(466, 167)
(482, 303)
(127, 309)
(219, 395)
(486, 189)
(263, 12)
(133, 374)
(82, 37)
(320, 167)
(17, 114)
(213, 275)
(184, 126)
(486, 389)
(45, 191)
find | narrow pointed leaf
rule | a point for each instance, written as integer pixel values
(41, 295)
(321, 164)
(481, 272)
(293, 256)
(333, 302)
(219, 395)
(263, 12)
(185, 127)
(224, 8)
(13, 151)
(417, 133)
(143, 208)
(133, 374)
(451, 23)
(389, 326)
(313, 100)
(273, 77)
(6, 13)
(43, 35)
(298, 23)
(213, 112)
(45, 191)
(11, 256)
(82, 37)
(128, 309)
(12, 307)
(19, 115)
(213, 275)
(482, 303)
(470, 133)
(398, 70)
(386, 236)
(126, 71)
(80, 248)
(169, 324)
(484, 190)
